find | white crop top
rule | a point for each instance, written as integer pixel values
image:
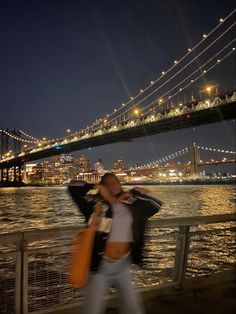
(121, 229)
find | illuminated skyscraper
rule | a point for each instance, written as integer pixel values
(118, 164)
(82, 163)
(99, 165)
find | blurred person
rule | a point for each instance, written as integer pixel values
(119, 240)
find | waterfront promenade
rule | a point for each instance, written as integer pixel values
(204, 295)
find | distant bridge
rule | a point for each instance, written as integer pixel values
(194, 164)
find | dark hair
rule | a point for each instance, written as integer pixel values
(108, 175)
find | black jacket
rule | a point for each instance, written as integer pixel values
(141, 206)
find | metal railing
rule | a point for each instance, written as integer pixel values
(34, 264)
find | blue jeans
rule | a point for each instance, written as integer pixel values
(112, 273)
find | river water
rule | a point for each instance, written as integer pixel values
(28, 208)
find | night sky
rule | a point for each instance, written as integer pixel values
(65, 63)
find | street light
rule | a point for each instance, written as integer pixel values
(210, 90)
(136, 112)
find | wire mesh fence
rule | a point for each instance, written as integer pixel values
(34, 266)
(212, 249)
(9, 282)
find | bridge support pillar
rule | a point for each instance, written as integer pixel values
(7, 175)
(195, 161)
(14, 169)
(19, 173)
(5, 141)
(1, 175)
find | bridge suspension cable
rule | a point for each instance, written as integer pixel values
(154, 82)
(146, 109)
(15, 137)
(29, 136)
(189, 63)
(184, 87)
(163, 159)
(100, 122)
(218, 61)
(179, 153)
(217, 150)
(191, 82)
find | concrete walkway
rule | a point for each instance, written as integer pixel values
(215, 294)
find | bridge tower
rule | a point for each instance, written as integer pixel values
(195, 161)
(10, 140)
(7, 143)
(17, 144)
(4, 143)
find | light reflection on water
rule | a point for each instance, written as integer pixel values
(38, 208)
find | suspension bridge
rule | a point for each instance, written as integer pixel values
(155, 109)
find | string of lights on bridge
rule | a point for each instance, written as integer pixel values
(29, 136)
(17, 137)
(217, 150)
(179, 153)
(32, 140)
(156, 163)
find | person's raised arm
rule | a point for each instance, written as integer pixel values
(151, 205)
(78, 193)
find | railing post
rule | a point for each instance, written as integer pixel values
(18, 285)
(23, 246)
(181, 254)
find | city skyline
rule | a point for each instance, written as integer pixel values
(180, 165)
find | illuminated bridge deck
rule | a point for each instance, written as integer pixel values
(193, 114)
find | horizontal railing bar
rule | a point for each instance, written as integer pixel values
(51, 249)
(14, 237)
(37, 235)
(55, 248)
(60, 248)
(62, 232)
(192, 221)
(173, 235)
